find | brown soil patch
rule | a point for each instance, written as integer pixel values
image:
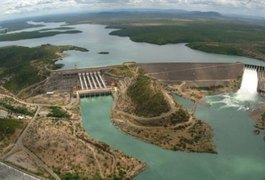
(66, 148)
(256, 114)
(57, 98)
(194, 137)
(22, 160)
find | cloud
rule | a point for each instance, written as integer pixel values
(18, 7)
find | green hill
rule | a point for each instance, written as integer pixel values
(21, 67)
(148, 99)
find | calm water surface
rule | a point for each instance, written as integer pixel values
(240, 152)
(96, 38)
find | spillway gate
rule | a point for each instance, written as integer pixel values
(92, 84)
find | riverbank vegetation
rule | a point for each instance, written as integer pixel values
(23, 66)
(34, 34)
(221, 36)
(147, 98)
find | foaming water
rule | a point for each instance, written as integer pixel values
(231, 100)
(249, 86)
(245, 98)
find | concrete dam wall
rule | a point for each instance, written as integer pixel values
(195, 74)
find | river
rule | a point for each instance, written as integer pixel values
(240, 152)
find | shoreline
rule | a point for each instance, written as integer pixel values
(72, 132)
(186, 92)
(169, 130)
(257, 117)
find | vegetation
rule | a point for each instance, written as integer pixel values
(16, 109)
(8, 127)
(69, 176)
(103, 52)
(220, 49)
(193, 31)
(58, 112)
(34, 34)
(262, 49)
(263, 116)
(24, 66)
(180, 116)
(148, 100)
(121, 71)
(220, 36)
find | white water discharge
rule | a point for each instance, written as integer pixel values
(245, 97)
(249, 85)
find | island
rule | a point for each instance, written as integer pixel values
(103, 52)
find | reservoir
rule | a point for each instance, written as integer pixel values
(96, 39)
(241, 154)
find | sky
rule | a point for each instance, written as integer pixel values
(20, 8)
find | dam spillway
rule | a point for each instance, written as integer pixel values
(92, 84)
(260, 75)
(249, 85)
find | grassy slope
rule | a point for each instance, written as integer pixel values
(24, 66)
(224, 37)
(148, 101)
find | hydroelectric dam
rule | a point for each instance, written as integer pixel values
(204, 75)
(97, 81)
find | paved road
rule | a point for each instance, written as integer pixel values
(9, 173)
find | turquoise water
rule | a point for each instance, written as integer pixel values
(241, 154)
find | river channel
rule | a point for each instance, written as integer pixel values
(241, 154)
